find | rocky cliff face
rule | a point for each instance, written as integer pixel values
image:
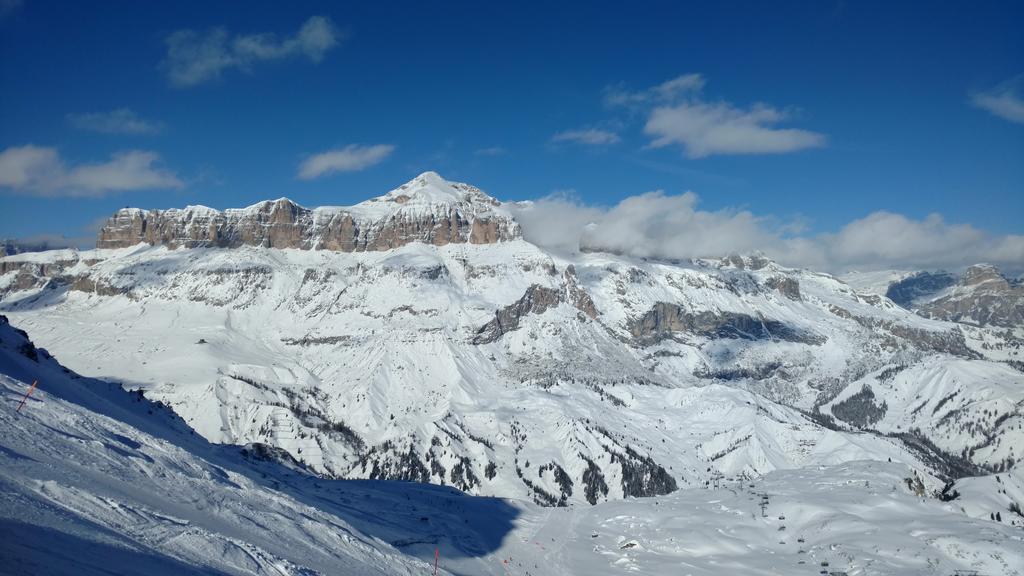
(980, 296)
(921, 285)
(427, 209)
(537, 300)
(664, 320)
(24, 272)
(983, 296)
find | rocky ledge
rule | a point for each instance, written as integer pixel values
(427, 209)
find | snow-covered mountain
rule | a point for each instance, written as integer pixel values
(981, 296)
(97, 480)
(427, 209)
(419, 336)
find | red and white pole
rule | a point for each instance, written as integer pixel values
(27, 394)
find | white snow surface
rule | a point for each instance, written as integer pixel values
(98, 481)
(350, 361)
(875, 281)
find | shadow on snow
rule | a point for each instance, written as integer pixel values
(413, 518)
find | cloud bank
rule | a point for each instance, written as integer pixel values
(663, 226)
(196, 57)
(351, 158)
(40, 171)
(120, 121)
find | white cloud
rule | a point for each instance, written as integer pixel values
(120, 121)
(556, 222)
(589, 136)
(705, 129)
(195, 57)
(668, 90)
(888, 240)
(677, 114)
(659, 225)
(1004, 100)
(351, 158)
(650, 225)
(40, 171)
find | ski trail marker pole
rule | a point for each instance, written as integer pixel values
(437, 555)
(27, 394)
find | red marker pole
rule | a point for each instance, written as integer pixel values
(437, 556)
(27, 394)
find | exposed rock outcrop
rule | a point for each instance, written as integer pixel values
(427, 209)
(921, 285)
(664, 319)
(982, 297)
(537, 300)
(576, 295)
(27, 273)
(44, 269)
(752, 262)
(785, 285)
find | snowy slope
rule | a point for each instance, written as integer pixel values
(98, 481)
(962, 406)
(874, 282)
(504, 370)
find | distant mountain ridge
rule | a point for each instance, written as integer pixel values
(12, 246)
(981, 296)
(427, 209)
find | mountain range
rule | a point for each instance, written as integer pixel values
(419, 336)
(99, 480)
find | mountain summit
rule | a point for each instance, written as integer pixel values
(431, 189)
(426, 209)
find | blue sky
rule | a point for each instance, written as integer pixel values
(809, 115)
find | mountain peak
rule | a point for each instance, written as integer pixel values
(431, 177)
(430, 189)
(981, 273)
